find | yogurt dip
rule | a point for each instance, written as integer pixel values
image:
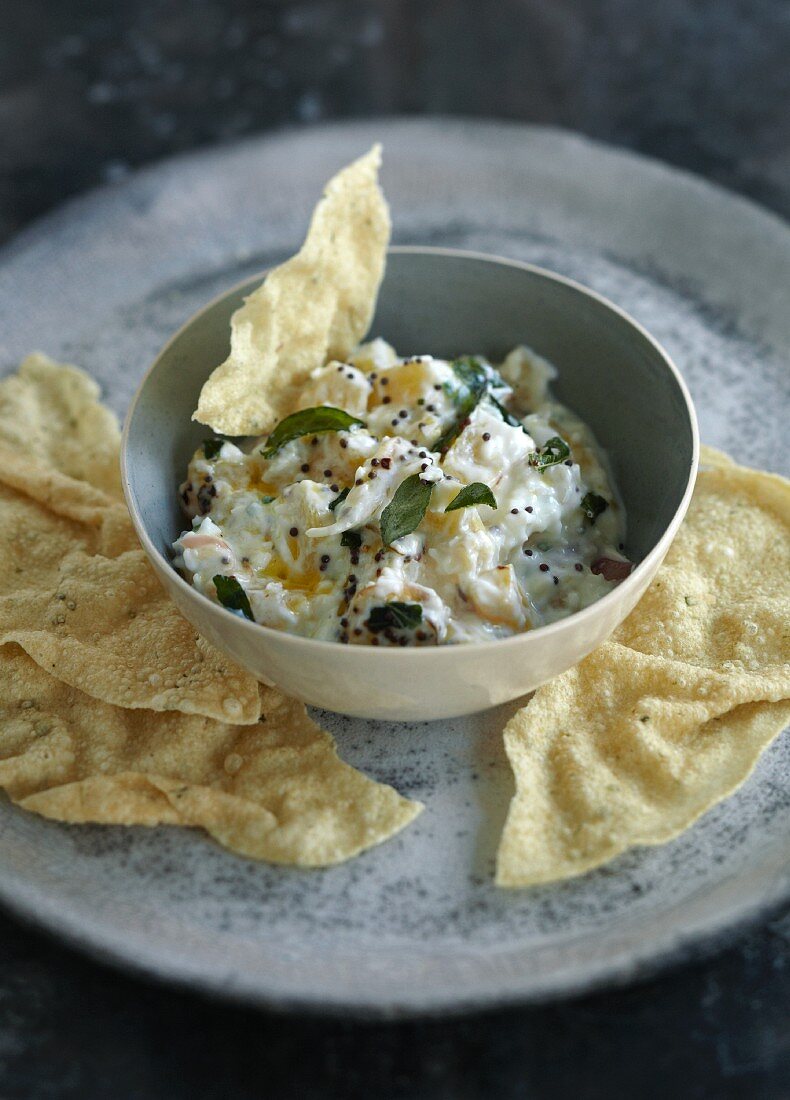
(413, 501)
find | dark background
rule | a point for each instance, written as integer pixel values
(90, 89)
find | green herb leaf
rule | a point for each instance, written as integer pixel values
(476, 493)
(476, 379)
(508, 417)
(351, 539)
(394, 616)
(338, 499)
(405, 511)
(473, 383)
(231, 595)
(267, 500)
(212, 447)
(322, 418)
(552, 452)
(471, 367)
(449, 435)
(471, 372)
(450, 389)
(592, 505)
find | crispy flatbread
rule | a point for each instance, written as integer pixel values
(316, 306)
(635, 743)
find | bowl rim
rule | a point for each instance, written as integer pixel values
(404, 653)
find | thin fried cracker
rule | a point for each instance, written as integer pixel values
(316, 306)
(635, 743)
(91, 611)
(275, 790)
(112, 709)
(50, 412)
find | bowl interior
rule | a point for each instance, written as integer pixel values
(448, 304)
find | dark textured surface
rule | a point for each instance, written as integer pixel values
(91, 88)
(74, 1029)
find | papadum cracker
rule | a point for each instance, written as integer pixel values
(93, 613)
(51, 412)
(275, 790)
(76, 590)
(709, 456)
(112, 709)
(632, 745)
(316, 306)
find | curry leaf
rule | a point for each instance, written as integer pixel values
(405, 511)
(351, 539)
(553, 451)
(471, 372)
(592, 505)
(449, 435)
(322, 418)
(338, 499)
(508, 417)
(394, 615)
(476, 379)
(231, 595)
(212, 447)
(473, 384)
(476, 493)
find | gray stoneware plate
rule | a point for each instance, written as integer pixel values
(415, 925)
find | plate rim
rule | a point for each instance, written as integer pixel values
(31, 903)
(157, 967)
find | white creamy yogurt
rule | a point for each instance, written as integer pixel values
(295, 542)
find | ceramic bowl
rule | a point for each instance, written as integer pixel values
(445, 303)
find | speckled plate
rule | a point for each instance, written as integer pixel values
(415, 925)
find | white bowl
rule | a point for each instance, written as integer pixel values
(445, 303)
